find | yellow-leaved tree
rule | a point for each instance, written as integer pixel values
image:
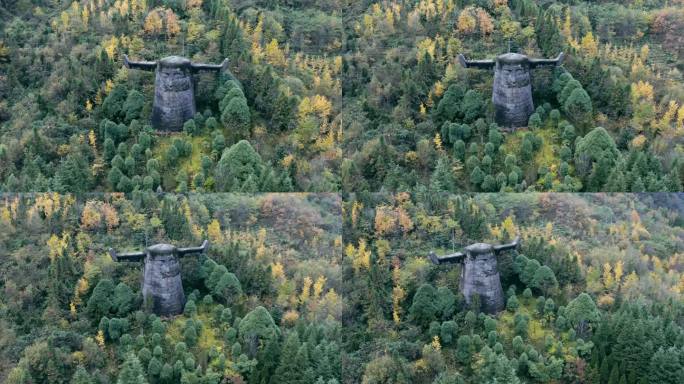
(274, 55)
(214, 231)
(306, 290)
(642, 104)
(90, 217)
(318, 287)
(398, 293)
(608, 278)
(485, 22)
(509, 228)
(111, 217)
(385, 220)
(172, 24)
(589, 45)
(153, 23)
(466, 22)
(57, 245)
(360, 256)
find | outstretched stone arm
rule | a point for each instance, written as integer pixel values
(130, 256)
(210, 67)
(506, 247)
(201, 249)
(547, 62)
(143, 65)
(482, 64)
(447, 259)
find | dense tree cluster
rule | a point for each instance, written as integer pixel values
(585, 301)
(606, 120)
(259, 306)
(72, 119)
(367, 100)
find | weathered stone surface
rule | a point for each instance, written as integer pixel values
(174, 96)
(480, 273)
(480, 276)
(162, 287)
(512, 93)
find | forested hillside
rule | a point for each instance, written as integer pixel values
(594, 295)
(262, 305)
(610, 119)
(72, 118)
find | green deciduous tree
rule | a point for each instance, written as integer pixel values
(288, 370)
(133, 106)
(448, 332)
(443, 178)
(255, 326)
(112, 106)
(81, 376)
(528, 271)
(190, 127)
(596, 149)
(472, 106)
(449, 107)
(535, 121)
(123, 299)
(239, 165)
(512, 304)
(236, 117)
(578, 106)
(190, 333)
(131, 371)
(477, 177)
(423, 309)
(386, 369)
(154, 368)
(544, 279)
(666, 366)
(445, 303)
(73, 174)
(496, 369)
(581, 312)
(464, 349)
(99, 303)
(228, 287)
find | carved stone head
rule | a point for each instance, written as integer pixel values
(174, 96)
(479, 274)
(512, 93)
(514, 70)
(174, 74)
(162, 286)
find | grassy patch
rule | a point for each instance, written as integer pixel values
(536, 331)
(545, 155)
(207, 338)
(174, 330)
(191, 164)
(512, 142)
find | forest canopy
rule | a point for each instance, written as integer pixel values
(264, 297)
(611, 118)
(74, 119)
(337, 95)
(386, 191)
(593, 295)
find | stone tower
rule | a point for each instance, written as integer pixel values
(174, 93)
(162, 287)
(512, 93)
(480, 274)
